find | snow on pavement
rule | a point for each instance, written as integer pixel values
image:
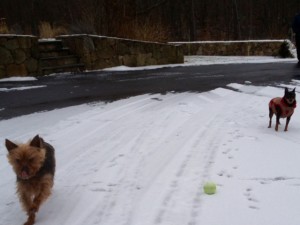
(144, 160)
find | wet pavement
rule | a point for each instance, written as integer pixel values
(58, 91)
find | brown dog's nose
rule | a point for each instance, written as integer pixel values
(25, 169)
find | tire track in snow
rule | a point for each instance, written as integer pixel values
(198, 157)
(108, 203)
(132, 188)
(94, 126)
(171, 155)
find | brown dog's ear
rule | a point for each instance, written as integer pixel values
(10, 145)
(36, 142)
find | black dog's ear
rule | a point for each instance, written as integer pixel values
(10, 145)
(286, 90)
(36, 142)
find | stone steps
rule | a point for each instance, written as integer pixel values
(75, 68)
(56, 58)
(55, 53)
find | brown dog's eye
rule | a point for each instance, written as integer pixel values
(18, 161)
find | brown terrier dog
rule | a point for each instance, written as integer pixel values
(283, 108)
(34, 165)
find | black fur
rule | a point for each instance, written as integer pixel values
(287, 104)
(49, 163)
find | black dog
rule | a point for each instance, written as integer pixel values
(283, 108)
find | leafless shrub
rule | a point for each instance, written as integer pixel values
(81, 27)
(145, 31)
(48, 31)
(3, 26)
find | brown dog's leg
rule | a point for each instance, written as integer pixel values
(45, 192)
(26, 201)
(270, 116)
(31, 219)
(25, 197)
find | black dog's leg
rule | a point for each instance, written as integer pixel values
(278, 115)
(270, 116)
(277, 122)
(287, 123)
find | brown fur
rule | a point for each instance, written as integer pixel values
(34, 165)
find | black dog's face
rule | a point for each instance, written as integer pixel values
(290, 96)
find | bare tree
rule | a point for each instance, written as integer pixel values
(183, 20)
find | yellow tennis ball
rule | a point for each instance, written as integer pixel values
(210, 188)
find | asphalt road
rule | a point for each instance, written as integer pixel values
(66, 90)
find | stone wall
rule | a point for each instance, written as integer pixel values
(18, 55)
(232, 48)
(99, 52)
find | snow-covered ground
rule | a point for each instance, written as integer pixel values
(144, 160)
(212, 60)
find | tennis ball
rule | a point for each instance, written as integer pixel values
(210, 188)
